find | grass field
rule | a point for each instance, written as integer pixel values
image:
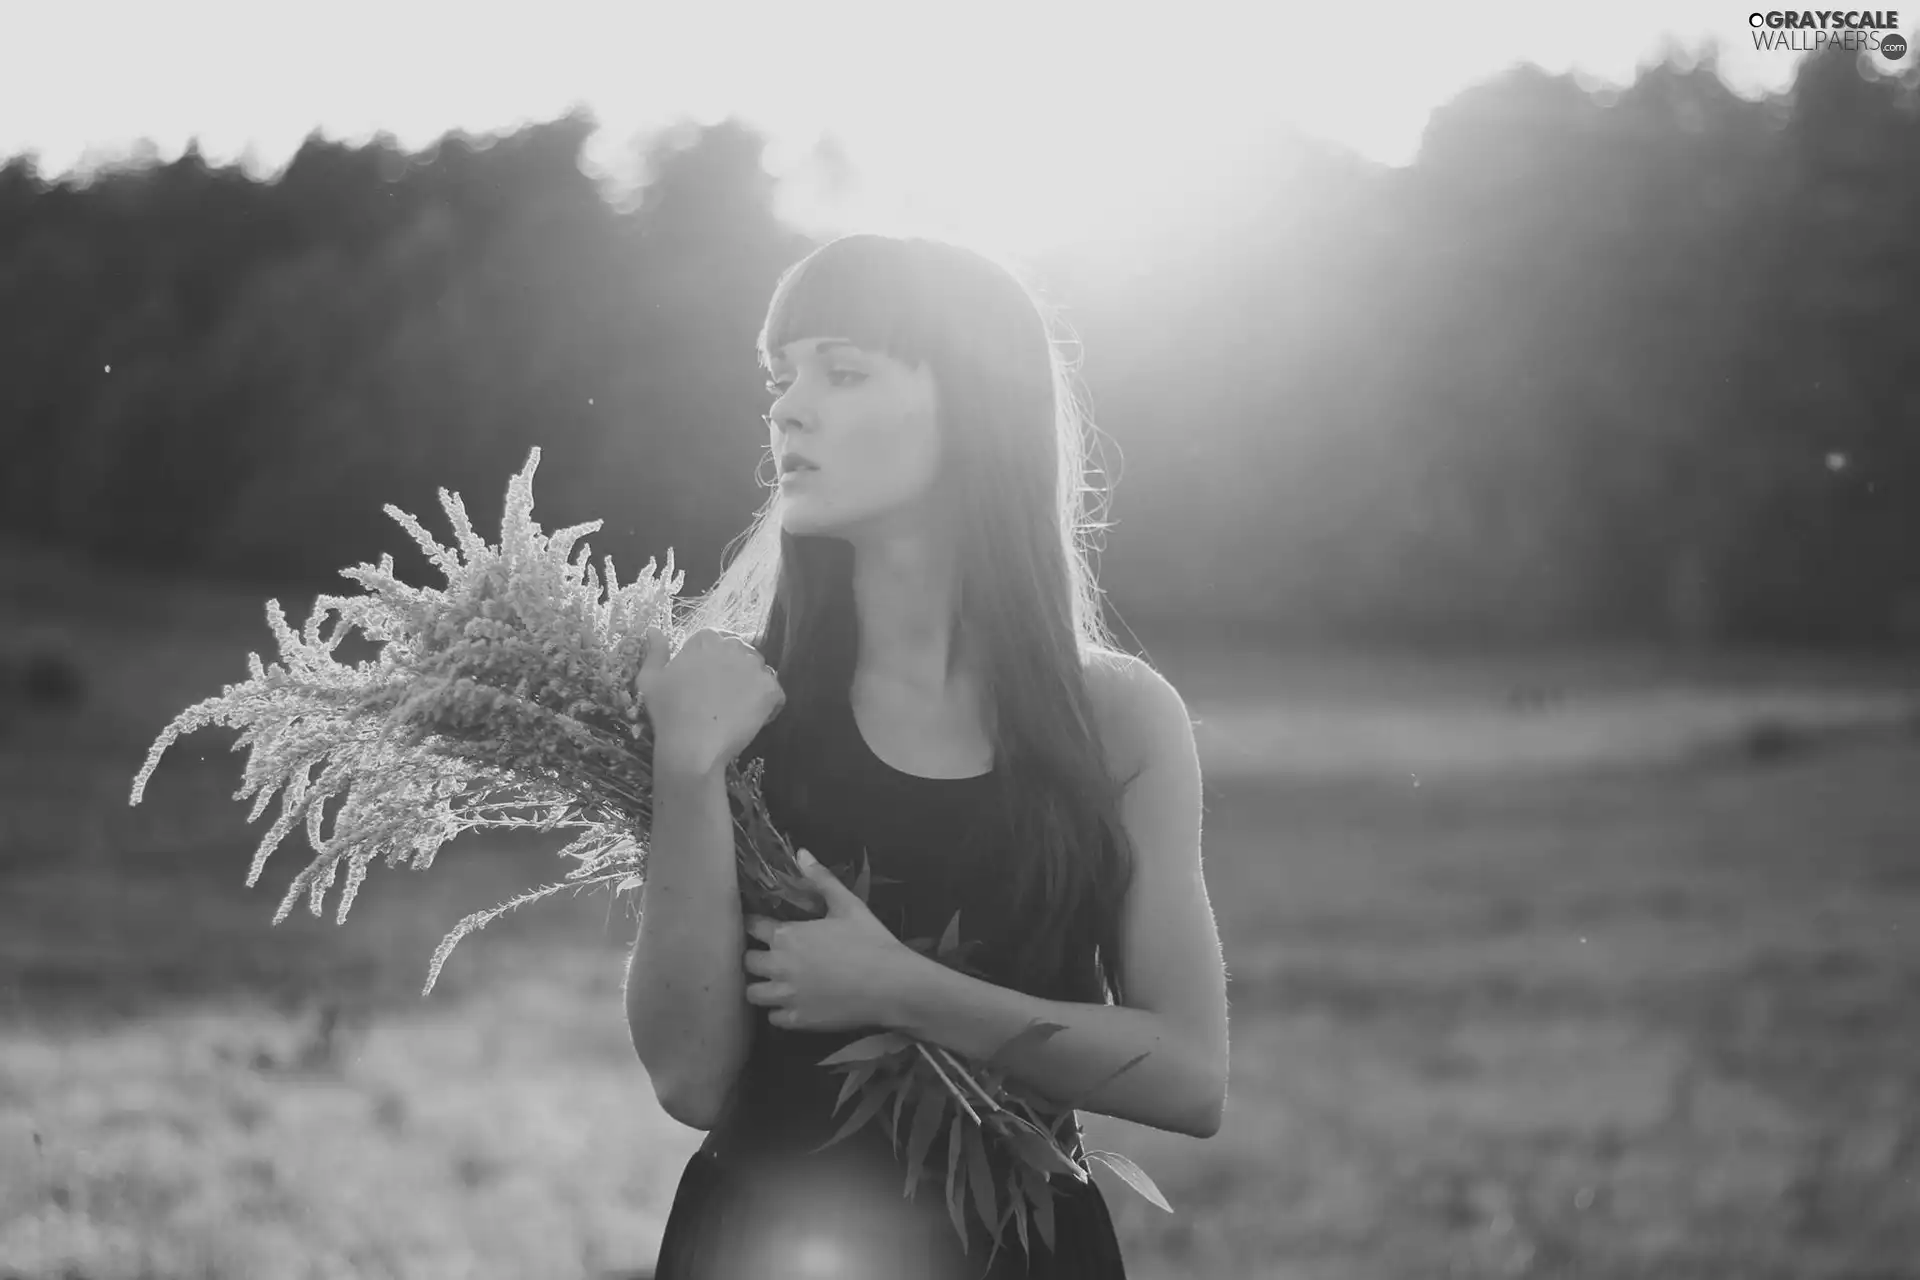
(1543, 965)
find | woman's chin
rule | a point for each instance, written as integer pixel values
(804, 520)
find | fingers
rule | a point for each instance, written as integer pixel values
(706, 638)
(768, 994)
(729, 642)
(743, 645)
(763, 964)
(653, 655)
(837, 893)
(726, 640)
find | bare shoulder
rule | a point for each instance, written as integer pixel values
(1141, 717)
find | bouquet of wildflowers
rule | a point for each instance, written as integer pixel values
(507, 699)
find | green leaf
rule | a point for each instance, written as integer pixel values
(1020, 1221)
(999, 1232)
(956, 1189)
(863, 883)
(980, 1174)
(1041, 1192)
(1135, 1176)
(1037, 1151)
(951, 938)
(926, 1123)
(961, 1101)
(874, 1046)
(899, 1106)
(856, 1080)
(1039, 1031)
(870, 1104)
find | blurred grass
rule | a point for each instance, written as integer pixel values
(1628, 994)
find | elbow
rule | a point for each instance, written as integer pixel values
(687, 1096)
(694, 1108)
(690, 1099)
(1202, 1119)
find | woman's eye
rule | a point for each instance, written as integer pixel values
(835, 377)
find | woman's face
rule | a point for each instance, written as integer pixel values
(855, 434)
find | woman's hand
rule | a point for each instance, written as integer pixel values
(837, 973)
(707, 701)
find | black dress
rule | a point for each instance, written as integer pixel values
(756, 1200)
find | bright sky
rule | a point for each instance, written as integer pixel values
(1012, 122)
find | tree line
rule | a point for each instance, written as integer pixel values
(1628, 363)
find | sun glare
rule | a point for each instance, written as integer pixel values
(1029, 127)
(1014, 125)
(1067, 133)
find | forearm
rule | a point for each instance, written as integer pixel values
(1179, 1086)
(689, 1021)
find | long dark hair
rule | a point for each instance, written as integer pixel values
(1017, 439)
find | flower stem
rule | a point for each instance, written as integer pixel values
(952, 1088)
(963, 1074)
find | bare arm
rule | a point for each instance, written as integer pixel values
(1171, 960)
(689, 1021)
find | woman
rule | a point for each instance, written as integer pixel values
(946, 709)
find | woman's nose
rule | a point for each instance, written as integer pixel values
(784, 420)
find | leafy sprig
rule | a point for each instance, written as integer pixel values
(1010, 1140)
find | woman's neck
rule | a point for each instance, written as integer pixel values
(905, 592)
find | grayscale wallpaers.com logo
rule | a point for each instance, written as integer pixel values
(1816, 30)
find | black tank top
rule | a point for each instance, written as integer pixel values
(935, 846)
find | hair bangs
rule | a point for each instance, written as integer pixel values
(860, 288)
